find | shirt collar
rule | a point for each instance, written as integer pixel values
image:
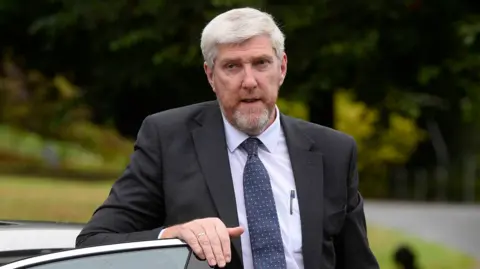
(269, 137)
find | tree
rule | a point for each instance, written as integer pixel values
(416, 58)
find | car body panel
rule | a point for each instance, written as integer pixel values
(22, 239)
(21, 235)
(82, 252)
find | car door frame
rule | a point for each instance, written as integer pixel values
(91, 251)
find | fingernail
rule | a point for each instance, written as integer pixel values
(213, 262)
(227, 258)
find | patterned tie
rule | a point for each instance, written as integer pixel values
(263, 226)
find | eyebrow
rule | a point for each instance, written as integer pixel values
(237, 59)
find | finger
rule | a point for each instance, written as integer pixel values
(190, 238)
(224, 240)
(235, 232)
(215, 243)
(204, 242)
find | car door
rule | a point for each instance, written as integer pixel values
(169, 254)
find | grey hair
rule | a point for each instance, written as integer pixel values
(236, 26)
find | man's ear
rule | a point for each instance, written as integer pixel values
(283, 68)
(209, 73)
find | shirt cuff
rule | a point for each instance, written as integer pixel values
(160, 234)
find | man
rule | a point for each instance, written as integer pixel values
(244, 185)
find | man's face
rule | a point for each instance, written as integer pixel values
(246, 79)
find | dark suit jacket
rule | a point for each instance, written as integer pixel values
(179, 171)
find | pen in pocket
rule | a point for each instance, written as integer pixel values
(292, 196)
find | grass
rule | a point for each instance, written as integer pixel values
(50, 199)
(74, 201)
(384, 242)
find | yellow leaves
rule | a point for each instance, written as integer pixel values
(401, 139)
(377, 145)
(65, 88)
(293, 108)
(354, 118)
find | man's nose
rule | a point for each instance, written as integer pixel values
(249, 80)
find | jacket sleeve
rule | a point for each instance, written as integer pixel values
(134, 208)
(352, 246)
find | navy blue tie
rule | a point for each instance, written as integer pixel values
(263, 226)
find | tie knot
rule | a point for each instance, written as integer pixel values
(250, 145)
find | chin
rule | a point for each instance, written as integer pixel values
(252, 122)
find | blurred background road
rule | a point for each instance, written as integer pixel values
(455, 225)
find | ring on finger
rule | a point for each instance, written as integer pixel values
(200, 234)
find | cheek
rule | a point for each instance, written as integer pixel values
(277, 78)
(226, 90)
(271, 84)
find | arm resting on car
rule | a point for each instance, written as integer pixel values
(134, 208)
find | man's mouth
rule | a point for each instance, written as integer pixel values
(250, 100)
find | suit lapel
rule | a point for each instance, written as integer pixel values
(307, 166)
(210, 145)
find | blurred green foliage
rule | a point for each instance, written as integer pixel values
(410, 63)
(42, 122)
(379, 146)
(293, 108)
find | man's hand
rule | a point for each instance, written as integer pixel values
(208, 238)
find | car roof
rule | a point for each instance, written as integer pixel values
(22, 224)
(31, 235)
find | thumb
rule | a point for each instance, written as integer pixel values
(235, 232)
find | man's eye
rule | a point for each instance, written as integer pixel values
(262, 62)
(231, 66)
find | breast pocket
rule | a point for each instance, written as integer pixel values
(295, 228)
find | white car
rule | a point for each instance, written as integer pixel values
(44, 245)
(23, 239)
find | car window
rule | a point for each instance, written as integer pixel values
(171, 258)
(195, 263)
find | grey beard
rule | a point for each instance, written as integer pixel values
(251, 126)
(244, 122)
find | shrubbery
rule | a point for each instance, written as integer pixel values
(378, 146)
(43, 123)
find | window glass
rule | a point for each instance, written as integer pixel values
(195, 263)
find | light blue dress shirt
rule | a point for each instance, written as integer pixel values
(275, 157)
